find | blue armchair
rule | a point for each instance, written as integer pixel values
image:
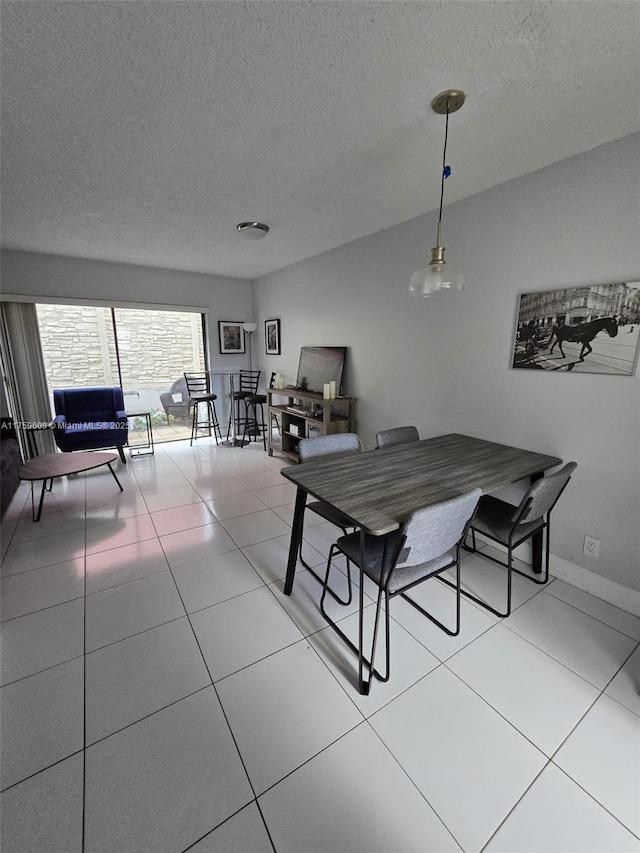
(89, 419)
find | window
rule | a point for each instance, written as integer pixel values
(145, 351)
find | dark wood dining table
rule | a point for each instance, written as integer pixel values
(379, 489)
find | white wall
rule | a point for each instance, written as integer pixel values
(36, 276)
(443, 363)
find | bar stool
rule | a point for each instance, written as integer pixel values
(248, 386)
(199, 389)
(253, 425)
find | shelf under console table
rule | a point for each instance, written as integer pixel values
(306, 414)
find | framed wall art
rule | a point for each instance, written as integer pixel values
(272, 337)
(231, 337)
(591, 329)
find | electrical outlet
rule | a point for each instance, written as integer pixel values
(591, 546)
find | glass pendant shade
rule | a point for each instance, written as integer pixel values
(420, 284)
(439, 275)
(447, 276)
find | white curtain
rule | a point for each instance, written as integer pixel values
(24, 374)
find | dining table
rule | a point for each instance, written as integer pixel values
(379, 489)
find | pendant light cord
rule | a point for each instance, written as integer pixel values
(444, 166)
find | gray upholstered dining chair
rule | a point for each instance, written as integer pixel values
(324, 446)
(427, 544)
(510, 526)
(396, 435)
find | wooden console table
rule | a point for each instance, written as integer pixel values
(306, 414)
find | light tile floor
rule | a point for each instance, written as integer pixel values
(160, 693)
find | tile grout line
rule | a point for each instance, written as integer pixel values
(42, 609)
(303, 638)
(235, 743)
(84, 678)
(596, 618)
(148, 716)
(550, 758)
(42, 770)
(405, 771)
(548, 654)
(310, 645)
(46, 668)
(515, 805)
(591, 797)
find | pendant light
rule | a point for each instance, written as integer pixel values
(440, 274)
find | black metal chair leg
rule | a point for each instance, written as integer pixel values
(320, 580)
(511, 569)
(249, 423)
(194, 420)
(374, 640)
(509, 580)
(235, 413)
(213, 421)
(364, 685)
(468, 595)
(114, 477)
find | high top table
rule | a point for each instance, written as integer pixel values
(52, 465)
(232, 440)
(379, 489)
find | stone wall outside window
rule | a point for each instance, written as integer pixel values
(156, 347)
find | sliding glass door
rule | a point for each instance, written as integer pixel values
(144, 351)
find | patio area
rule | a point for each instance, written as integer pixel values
(173, 431)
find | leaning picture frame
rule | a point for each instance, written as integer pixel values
(585, 329)
(231, 334)
(272, 337)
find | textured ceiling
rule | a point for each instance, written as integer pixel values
(144, 131)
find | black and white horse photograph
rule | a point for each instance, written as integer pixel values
(591, 329)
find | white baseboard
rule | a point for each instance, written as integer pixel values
(608, 590)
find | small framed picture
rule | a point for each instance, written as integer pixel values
(272, 337)
(231, 337)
